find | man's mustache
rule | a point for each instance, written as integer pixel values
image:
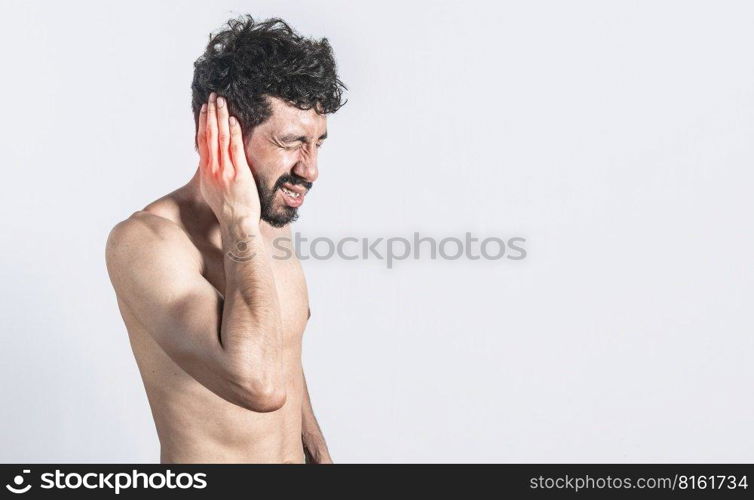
(293, 180)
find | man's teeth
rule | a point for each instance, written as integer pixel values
(291, 193)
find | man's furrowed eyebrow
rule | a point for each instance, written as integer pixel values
(300, 138)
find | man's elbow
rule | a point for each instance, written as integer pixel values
(262, 397)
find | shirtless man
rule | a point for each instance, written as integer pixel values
(215, 320)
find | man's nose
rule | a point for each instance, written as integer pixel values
(306, 166)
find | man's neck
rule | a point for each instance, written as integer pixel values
(204, 217)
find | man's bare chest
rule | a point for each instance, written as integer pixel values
(290, 285)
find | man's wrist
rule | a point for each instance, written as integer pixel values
(238, 235)
(235, 219)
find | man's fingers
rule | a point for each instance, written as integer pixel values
(211, 132)
(223, 138)
(237, 152)
(201, 137)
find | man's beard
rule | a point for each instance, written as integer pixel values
(283, 215)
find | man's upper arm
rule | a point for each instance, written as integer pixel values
(156, 273)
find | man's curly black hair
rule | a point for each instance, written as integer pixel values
(248, 60)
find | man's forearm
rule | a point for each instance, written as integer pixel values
(314, 443)
(251, 330)
(312, 438)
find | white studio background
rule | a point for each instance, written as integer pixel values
(616, 137)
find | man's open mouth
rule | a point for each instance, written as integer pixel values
(293, 195)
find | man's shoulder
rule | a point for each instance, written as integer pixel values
(144, 227)
(147, 236)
